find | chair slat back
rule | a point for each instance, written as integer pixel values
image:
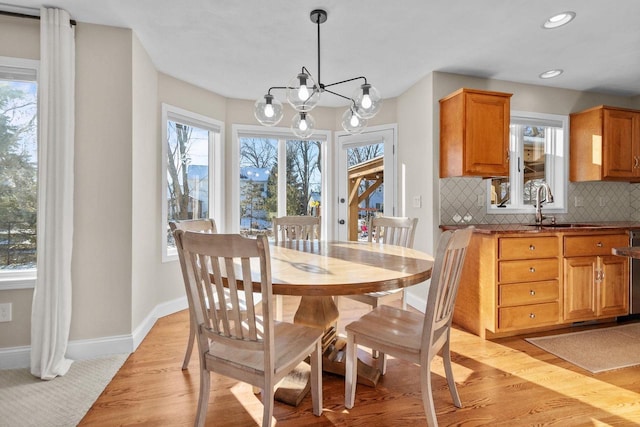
(399, 231)
(219, 262)
(203, 225)
(296, 228)
(445, 280)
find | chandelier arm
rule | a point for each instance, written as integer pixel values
(348, 80)
(341, 96)
(276, 87)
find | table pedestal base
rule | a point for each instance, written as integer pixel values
(322, 313)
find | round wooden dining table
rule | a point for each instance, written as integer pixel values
(318, 271)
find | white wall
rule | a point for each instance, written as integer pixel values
(146, 276)
(102, 253)
(417, 162)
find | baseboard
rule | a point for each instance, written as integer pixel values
(15, 357)
(160, 310)
(416, 302)
(19, 357)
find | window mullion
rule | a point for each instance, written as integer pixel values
(517, 181)
(282, 177)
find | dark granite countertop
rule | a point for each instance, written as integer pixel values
(546, 228)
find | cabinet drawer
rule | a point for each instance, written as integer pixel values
(528, 316)
(528, 270)
(529, 293)
(593, 245)
(528, 247)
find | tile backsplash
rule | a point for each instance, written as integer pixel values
(459, 196)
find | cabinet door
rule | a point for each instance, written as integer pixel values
(613, 289)
(620, 158)
(579, 288)
(486, 135)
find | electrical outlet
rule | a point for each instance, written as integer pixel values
(602, 201)
(5, 312)
(579, 202)
(480, 200)
(417, 201)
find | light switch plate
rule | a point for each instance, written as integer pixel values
(417, 201)
(5, 312)
(579, 201)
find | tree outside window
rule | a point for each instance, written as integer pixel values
(192, 171)
(18, 174)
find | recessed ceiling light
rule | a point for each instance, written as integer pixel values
(551, 74)
(559, 20)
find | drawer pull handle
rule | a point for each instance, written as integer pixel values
(532, 248)
(599, 244)
(532, 292)
(532, 316)
(532, 269)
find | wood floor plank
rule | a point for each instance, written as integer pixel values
(505, 382)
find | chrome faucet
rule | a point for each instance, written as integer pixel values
(548, 199)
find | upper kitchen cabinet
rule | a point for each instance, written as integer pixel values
(474, 133)
(605, 145)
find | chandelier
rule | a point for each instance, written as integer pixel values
(303, 94)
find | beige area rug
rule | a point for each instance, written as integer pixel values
(28, 401)
(597, 350)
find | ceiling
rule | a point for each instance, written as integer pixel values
(239, 49)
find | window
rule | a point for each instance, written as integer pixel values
(192, 161)
(538, 152)
(18, 172)
(278, 176)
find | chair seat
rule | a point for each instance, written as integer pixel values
(390, 326)
(292, 342)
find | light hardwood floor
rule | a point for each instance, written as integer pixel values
(505, 382)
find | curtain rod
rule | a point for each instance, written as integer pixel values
(24, 15)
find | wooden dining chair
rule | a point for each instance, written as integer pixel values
(236, 343)
(295, 229)
(415, 337)
(203, 225)
(399, 231)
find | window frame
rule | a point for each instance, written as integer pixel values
(282, 135)
(26, 278)
(557, 177)
(216, 172)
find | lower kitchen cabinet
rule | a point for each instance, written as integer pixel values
(515, 283)
(596, 284)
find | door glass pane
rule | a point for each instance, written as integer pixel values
(187, 173)
(365, 175)
(258, 184)
(18, 174)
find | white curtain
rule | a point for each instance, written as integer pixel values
(51, 309)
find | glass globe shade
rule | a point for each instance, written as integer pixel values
(352, 123)
(303, 125)
(368, 101)
(302, 92)
(268, 110)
